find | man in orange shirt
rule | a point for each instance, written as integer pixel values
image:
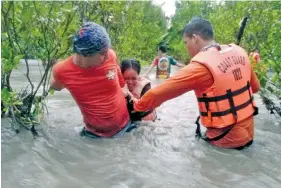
(223, 82)
(94, 79)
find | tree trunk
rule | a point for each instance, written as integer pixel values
(8, 85)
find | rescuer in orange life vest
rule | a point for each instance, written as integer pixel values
(224, 83)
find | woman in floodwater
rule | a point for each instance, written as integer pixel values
(137, 85)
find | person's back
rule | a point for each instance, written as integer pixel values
(97, 93)
(94, 79)
(163, 63)
(234, 122)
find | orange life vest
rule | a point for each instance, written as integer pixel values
(230, 99)
(137, 93)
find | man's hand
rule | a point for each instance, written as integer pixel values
(134, 100)
(135, 116)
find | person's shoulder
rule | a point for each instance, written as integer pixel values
(171, 58)
(156, 58)
(144, 81)
(112, 57)
(195, 66)
(61, 65)
(239, 48)
(112, 53)
(143, 78)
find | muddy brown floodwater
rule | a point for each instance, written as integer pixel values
(160, 154)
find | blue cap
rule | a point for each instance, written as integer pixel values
(91, 39)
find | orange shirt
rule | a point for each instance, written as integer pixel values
(97, 92)
(197, 77)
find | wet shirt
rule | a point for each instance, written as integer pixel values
(97, 91)
(197, 77)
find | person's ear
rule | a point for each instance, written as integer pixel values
(194, 38)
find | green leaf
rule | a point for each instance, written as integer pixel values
(19, 103)
(52, 91)
(5, 109)
(17, 59)
(66, 10)
(275, 78)
(5, 94)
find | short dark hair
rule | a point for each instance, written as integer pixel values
(163, 48)
(130, 63)
(201, 27)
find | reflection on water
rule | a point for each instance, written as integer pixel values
(160, 154)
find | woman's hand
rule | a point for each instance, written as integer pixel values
(126, 93)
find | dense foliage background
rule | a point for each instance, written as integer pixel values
(44, 30)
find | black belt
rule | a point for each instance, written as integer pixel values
(223, 113)
(198, 133)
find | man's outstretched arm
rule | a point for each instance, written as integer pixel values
(191, 77)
